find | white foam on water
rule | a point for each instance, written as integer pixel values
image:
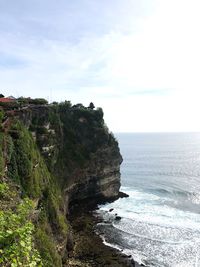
(141, 206)
(135, 255)
(157, 233)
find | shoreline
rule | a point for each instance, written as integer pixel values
(89, 249)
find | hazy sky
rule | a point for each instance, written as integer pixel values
(138, 59)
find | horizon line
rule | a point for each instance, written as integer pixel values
(142, 132)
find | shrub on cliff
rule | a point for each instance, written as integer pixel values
(64, 106)
(45, 244)
(1, 116)
(38, 101)
(23, 100)
(16, 235)
(91, 106)
(23, 156)
(10, 105)
(1, 156)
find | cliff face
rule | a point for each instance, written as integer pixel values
(59, 155)
(78, 148)
(100, 179)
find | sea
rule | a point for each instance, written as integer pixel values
(160, 220)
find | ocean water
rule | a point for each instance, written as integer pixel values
(160, 221)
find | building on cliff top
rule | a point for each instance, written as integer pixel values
(7, 99)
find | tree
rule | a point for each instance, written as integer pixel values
(79, 105)
(38, 101)
(1, 95)
(91, 106)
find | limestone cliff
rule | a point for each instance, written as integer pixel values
(78, 148)
(59, 154)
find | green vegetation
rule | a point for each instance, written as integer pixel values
(1, 155)
(51, 224)
(46, 245)
(10, 105)
(26, 165)
(38, 101)
(16, 232)
(41, 149)
(28, 100)
(1, 115)
(91, 106)
(4, 190)
(27, 168)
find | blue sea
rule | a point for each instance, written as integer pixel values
(160, 221)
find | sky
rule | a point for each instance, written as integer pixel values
(137, 59)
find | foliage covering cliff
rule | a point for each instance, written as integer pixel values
(51, 156)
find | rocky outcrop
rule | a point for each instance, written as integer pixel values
(101, 179)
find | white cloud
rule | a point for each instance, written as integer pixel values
(145, 78)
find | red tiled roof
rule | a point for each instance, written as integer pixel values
(6, 100)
